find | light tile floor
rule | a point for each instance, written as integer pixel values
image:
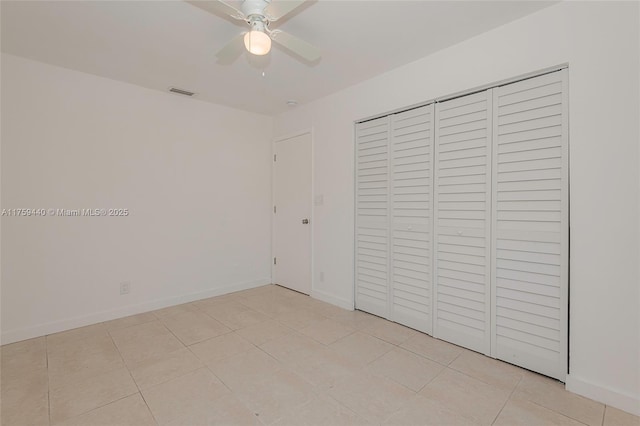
(273, 356)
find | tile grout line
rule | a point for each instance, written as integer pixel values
(231, 391)
(507, 400)
(433, 378)
(124, 363)
(421, 333)
(348, 408)
(557, 412)
(148, 408)
(46, 352)
(427, 358)
(416, 393)
(327, 344)
(97, 408)
(454, 360)
(133, 325)
(341, 404)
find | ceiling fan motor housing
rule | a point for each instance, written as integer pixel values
(257, 24)
(254, 10)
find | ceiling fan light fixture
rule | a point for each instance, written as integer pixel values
(257, 42)
(258, 14)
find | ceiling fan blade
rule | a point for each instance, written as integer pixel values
(279, 8)
(231, 51)
(297, 46)
(218, 7)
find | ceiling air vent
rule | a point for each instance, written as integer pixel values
(181, 91)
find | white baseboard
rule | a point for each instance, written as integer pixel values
(11, 336)
(621, 400)
(325, 297)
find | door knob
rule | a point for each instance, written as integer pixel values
(305, 221)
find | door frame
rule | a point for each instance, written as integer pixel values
(274, 141)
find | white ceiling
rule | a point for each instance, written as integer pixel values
(158, 44)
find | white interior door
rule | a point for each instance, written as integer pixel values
(292, 213)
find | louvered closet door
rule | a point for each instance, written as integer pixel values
(372, 216)
(530, 273)
(411, 197)
(462, 221)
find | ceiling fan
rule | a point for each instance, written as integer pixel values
(259, 14)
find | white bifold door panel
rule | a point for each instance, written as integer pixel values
(393, 217)
(462, 189)
(530, 224)
(411, 211)
(372, 216)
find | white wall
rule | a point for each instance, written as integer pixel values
(195, 177)
(599, 41)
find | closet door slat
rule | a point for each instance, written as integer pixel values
(462, 208)
(530, 221)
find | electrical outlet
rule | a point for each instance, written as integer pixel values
(321, 277)
(125, 287)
